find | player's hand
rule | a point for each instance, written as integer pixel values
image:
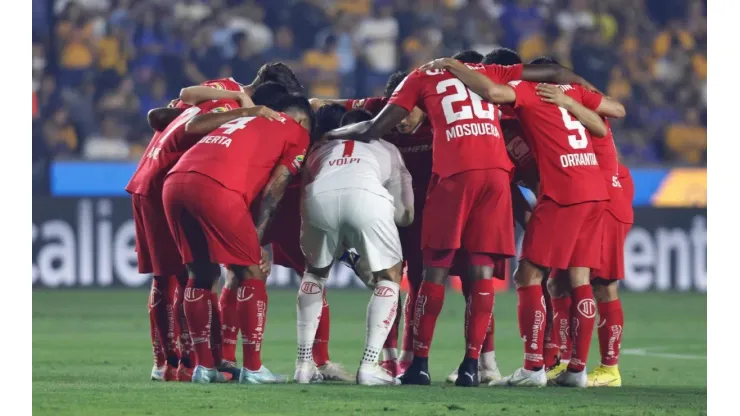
(440, 63)
(552, 94)
(265, 265)
(262, 111)
(173, 103)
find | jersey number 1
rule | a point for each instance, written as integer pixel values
(349, 148)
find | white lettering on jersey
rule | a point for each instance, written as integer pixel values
(222, 140)
(578, 159)
(472, 129)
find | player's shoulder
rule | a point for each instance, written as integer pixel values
(228, 84)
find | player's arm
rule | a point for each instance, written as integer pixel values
(365, 131)
(198, 93)
(520, 206)
(478, 82)
(590, 119)
(400, 187)
(206, 123)
(611, 108)
(271, 196)
(160, 118)
(555, 74)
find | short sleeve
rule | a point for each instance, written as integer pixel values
(228, 84)
(502, 74)
(524, 93)
(295, 152)
(408, 92)
(590, 99)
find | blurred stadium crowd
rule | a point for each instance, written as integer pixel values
(100, 65)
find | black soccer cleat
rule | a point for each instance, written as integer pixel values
(417, 373)
(467, 373)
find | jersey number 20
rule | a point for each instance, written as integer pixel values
(462, 93)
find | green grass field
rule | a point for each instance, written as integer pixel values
(92, 356)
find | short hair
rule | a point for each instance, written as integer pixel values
(502, 56)
(328, 117)
(356, 116)
(280, 73)
(393, 82)
(295, 102)
(544, 60)
(468, 56)
(268, 94)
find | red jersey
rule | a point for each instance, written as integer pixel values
(520, 150)
(606, 155)
(242, 153)
(167, 146)
(415, 147)
(569, 171)
(467, 132)
(228, 84)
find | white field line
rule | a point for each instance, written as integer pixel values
(646, 352)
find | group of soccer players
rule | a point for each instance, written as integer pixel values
(426, 177)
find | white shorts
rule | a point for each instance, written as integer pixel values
(334, 221)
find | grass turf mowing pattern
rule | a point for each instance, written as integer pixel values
(92, 356)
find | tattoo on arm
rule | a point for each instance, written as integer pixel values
(271, 196)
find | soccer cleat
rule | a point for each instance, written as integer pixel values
(261, 376)
(374, 375)
(334, 372)
(487, 375)
(229, 367)
(184, 374)
(391, 366)
(307, 373)
(158, 373)
(467, 374)
(170, 373)
(605, 376)
(402, 366)
(554, 371)
(522, 378)
(417, 373)
(205, 375)
(572, 379)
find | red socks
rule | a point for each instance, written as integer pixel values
(582, 313)
(408, 322)
(479, 308)
(561, 335)
(321, 341)
(187, 355)
(428, 306)
(611, 324)
(216, 336)
(159, 358)
(199, 315)
(251, 307)
(531, 312)
(229, 323)
(161, 320)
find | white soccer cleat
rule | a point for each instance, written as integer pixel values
(374, 375)
(205, 375)
(334, 372)
(571, 379)
(261, 376)
(307, 373)
(487, 375)
(452, 377)
(522, 378)
(158, 373)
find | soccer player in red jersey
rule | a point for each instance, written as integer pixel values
(567, 218)
(233, 165)
(468, 204)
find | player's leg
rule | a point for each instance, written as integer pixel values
(182, 334)
(551, 351)
(414, 275)
(610, 329)
(558, 287)
(229, 319)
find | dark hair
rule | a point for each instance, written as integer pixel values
(468, 56)
(393, 82)
(295, 102)
(502, 56)
(544, 60)
(328, 118)
(280, 73)
(268, 94)
(355, 116)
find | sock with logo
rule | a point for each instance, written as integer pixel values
(160, 299)
(199, 315)
(216, 333)
(251, 307)
(611, 325)
(381, 314)
(309, 308)
(229, 323)
(531, 313)
(182, 334)
(583, 319)
(560, 334)
(429, 303)
(390, 347)
(321, 341)
(407, 346)
(479, 307)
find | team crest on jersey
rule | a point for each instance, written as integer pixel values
(219, 110)
(358, 103)
(218, 86)
(298, 161)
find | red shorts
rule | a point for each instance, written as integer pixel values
(210, 222)
(612, 249)
(155, 247)
(470, 210)
(562, 236)
(285, 232)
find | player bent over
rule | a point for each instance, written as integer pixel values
(207, 198)
(355, 195)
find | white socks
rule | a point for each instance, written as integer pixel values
(308, 305)
(381, 312)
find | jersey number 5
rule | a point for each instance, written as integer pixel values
(579, 141)
(462, 93)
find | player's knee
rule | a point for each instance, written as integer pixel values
(319, 272)
(605, 291)
(481, 266)
(248, 272)
(579, 276)
(231, 282)
(393, 274)
(528, 274)
(558, 288)
(203, 274)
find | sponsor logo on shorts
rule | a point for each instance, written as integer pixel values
(310, 288)
(384, 292)
(587, 308)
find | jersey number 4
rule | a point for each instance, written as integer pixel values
(236, 124)
(576, 141)
(478, 107)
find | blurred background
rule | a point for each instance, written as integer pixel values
(100, 65)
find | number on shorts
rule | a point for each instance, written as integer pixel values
(349, 148)
(571, 125)
(236, 124)
(462, 93)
